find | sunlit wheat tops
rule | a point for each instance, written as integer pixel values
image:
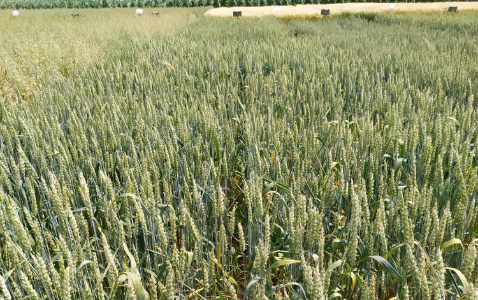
(242, 159)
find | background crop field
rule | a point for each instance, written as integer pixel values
(181, 156)
(36, 4)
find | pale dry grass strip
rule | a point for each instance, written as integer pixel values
(314, 9)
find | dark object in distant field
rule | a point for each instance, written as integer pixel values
(155, 13)
(75, 15)
(452, 8)
(325, 12)
(237, 13)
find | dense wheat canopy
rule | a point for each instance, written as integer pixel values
(211, 158)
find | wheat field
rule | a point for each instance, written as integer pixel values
(184, 156)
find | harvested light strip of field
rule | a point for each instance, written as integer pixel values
(314, 9)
